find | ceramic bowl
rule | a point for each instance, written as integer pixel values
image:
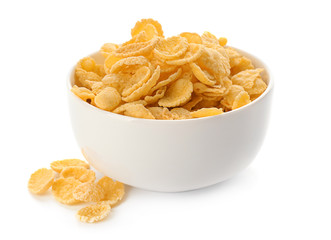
(171, 155)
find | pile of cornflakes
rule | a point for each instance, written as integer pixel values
(180, 77)
(75, 183)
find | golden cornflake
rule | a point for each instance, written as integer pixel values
(167, 81)
(206, 91)
(88, 70)
(108, 99)
(161, 113)
(83, 93)
(144, 89)
(108, 48)
(82, 76)
(202, 75)
(138, 78)
(209, 39)
(114, 191)
(138, 111)
(110, 61)
(164, 67)
(116, 80)
(213, 62)
(127, 63)
(206, 103)
(41, 180)
(250, 80)
(191, 37)
(93, 213)
(194, 101)
(206, 112)
(180, 113)
(136, 49)
(177, 94)
(59, 165)
(222, 41)
(159, 93)
(87, 63)
(171, 48)
(121, 109)
(235, 98)
(63, 189)
(237, 62)
(141, 26)
(80, 173)
(193, 52)
(97, 87)
(88, 192)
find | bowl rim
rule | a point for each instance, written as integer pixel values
(270, 86)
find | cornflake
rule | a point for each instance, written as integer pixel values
(250, 80)
(63, 189)
(141, 26)
(93, 213)
(151, 76)
(206, 112)
(161, 113)
(75, 184)
(59, 165)
(80, 173)
(114, 191)
(171, 48)
(180, 113)
(177, 94)
(41, 180)
(235, 98)
(88, 192)
(191, 37)
(108, 99)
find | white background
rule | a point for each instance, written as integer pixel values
(284, 194)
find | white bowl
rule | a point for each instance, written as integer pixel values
(171, 155)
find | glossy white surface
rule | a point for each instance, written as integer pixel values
(171, 156)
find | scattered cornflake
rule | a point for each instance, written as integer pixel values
(114, 191)
(93, 213)
(58, 166)
(41, 180)
(75, 184)
(80, 173)
(63, 189)
(88, 192)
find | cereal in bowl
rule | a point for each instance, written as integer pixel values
(174, 78)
